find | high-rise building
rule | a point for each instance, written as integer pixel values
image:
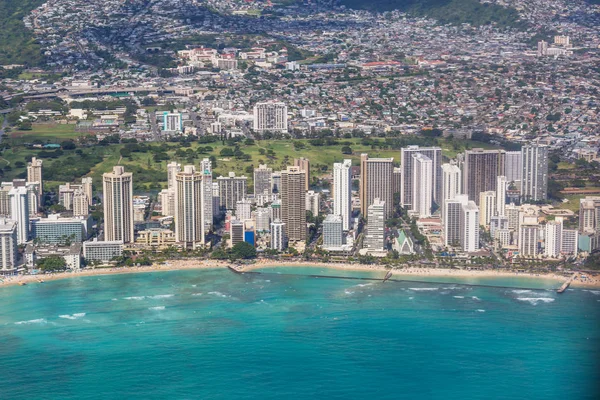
(452, 218)
(513, 167)
(118, 205)
(501, 184)
(293, 204)
(333, 232)
(173, 168)
(480, 171)
(172, 122)
(189, 227)
(498, 222)
(376, 183)
(81, 205)
(375, 236)
(166, 198)
(65, 196)
(278, 240)
(33, 196)
(236, 232)
(528, 239)
(207, 195)
(589, 214)
(262, 180)
(262, 216)
(5, 188)
(231, 190)
(8, 245)
(88, 189)
(304, 165)
(243, 210)
(34, 173)
(534, 180)
(270, 117)
(469, 227)
(422, 185)
(406, 163)
(19, 209)
(275, 210)
(276, 182)
(450, 185)
(342, 192)
(569, 245)
(397, 180)
(553, 238)
(487, 207)
(312, 202)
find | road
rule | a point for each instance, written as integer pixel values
(154, 126)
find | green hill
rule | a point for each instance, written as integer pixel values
(446, 11)
(17, 45)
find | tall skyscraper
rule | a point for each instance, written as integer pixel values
(8, 245)
(452, 218)
(189, 227)
(333, 235)
(513, 167)
(173, 169)
(422, 185)
(81, 206)
(118, 205)
(207, 194)
(278, 239)
(487, 207)
(19, 209)
(262, 180)
(528, 239)
(480, 171)
(534, 184)
(501, 184)
(451, 182)
(553, 238)
(406, 163)
(375, 237)
(342, 192)
(34, 174)
(231, 190)
(270, 117)
(376, 183)
(589, 214)
(469, 227)
(88, 189)
(304, 165)
(313, 200)
(243, 210)
(293, 203)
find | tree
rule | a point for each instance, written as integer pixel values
(243, 250)
(52, 264)
(68, 145)
(346, 150)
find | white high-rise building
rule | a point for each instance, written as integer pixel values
(534, 184)
(243, 210)
(278, 240)
(34, 174)
(422, 185)
(262, 180)
(513, 167)
(375, 237)
(88, 189)
(231, 190)
(569, 245)
(553, 238)
(406, 163)
(333, 232)
(451, 181)
(166, 197)
(19, 209)
(263, 221)
(172, 122)
(487, 206)
(173, 168)
(452, 220)
(270, 117)
(207, 195)
(312, 202)
(8, 244)
(33, 196)
(469, 226)
(342, 192)
(501, 184)
(118, 205)
(189, 228)
(528, 239)
(81, 205)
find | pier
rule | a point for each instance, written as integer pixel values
(567, 283)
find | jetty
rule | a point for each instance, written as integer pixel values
(237, 269)
(567, 283)
(387, 276)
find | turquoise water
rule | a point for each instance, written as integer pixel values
(212, 334)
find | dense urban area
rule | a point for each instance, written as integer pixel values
(137, 132)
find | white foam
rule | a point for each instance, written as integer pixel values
(196, 294)
(364, 284)
(135, 298)
(423, 289)
(410, 298)
(32, 321)
(114, 299)
(348, 292)
(158, 308)
(74, 316)
(161, 296)
(535, 300)
(480, 310)
(459, 297)
(219, 294)
(520, 291)
(476, 298)
(596, 292)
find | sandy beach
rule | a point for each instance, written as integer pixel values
(590, 282)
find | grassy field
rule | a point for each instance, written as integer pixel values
(46, 133)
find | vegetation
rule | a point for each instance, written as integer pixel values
(447, 11)
(17, 45)
(52, 264)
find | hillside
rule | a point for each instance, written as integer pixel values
(17, 45)
(446, 11)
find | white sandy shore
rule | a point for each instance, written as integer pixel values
(593, 281)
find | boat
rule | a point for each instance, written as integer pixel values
(387, 276)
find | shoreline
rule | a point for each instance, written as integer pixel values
(593, 282)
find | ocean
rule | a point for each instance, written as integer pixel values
(212, 334)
